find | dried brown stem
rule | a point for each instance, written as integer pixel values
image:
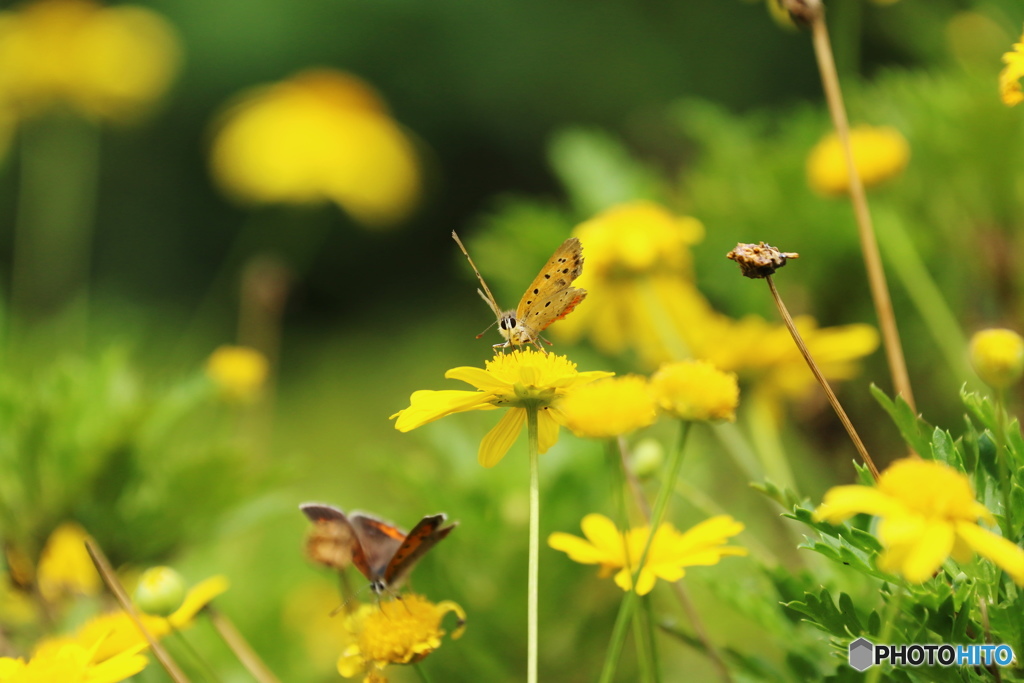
(240, 646)
(110, 578)
(865, 228)
(784, 312)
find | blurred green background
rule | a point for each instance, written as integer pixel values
(711, 102)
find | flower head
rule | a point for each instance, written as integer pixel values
(1009, 77)
(510, 381)
(928, 512)
(238, 371)
(609, 407)
(393, 632)
(879, 153)
(998, 357)
(696, 390)
(65, 566)
(320, 135)
(670, 551)
(71, 662)
(110, 62)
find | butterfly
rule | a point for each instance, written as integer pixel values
(382, 552)
(549, 297)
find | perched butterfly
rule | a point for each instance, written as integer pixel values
(382, 552)
(549, 297)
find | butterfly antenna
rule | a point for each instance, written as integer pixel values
(489, 326)
(489, 298)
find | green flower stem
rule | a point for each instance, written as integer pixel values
(58, 164)
(240, 646)
(906, 263)
(644, 658)
(534, 562)
(649, 633)
(1005, 469)
(421, 673)
(209, 673)
(892, 611)
(618, 638)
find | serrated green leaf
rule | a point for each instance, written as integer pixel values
(913, 429)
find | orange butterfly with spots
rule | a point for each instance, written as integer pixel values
(382, 552)
(549, 297)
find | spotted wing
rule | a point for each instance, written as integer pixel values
(380, 541)
(424, 536)
(333, 541)
(550, 296)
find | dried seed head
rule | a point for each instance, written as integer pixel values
(802, 12)
(759, 260)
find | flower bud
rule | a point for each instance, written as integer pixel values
(998, 357)
(160, 592)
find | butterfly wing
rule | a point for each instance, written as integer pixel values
(424, 536)
(550, 296)
(333, 541)
(380, 541)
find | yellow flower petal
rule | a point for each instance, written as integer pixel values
(1005, 554)
(427, 405)
(478, 377)
(843, 502)
(198, 597)
(496, 443)
(547, 430)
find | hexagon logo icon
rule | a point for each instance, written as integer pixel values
(861, 654)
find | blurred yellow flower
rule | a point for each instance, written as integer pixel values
(764, 352)
(510, 381)
(120, 634)
(239, 372)
(669, 553)
(393, 632)
(320, 135)
(928, 512)
(879, 153)
(64, 565)
(638, 270)
(106, 62)
(1009, 77)
(71, 662)
(998, 357)
(696, 390)
(609, 407)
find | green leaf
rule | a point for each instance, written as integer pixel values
(911, 426)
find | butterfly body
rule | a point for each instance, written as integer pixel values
(550, 297)
(382, 552)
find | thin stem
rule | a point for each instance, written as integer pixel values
(421, 673)
(677, 587)
(865, 229)
(533, 582)
(644, 657)
(240, 647)
(110, 578)
(1005, 470)
(865, 456)
(204, 665)
(891, 612)
(618, 638)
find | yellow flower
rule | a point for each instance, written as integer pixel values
(669, 553)
(120, 634)
(1009, 77)
(765, 353)
(696, 390)
(238, 371)
(927, 513)
(109, 62)
(393, 632)
(609, 407)
(511, 381)
(64, 565)
(638, 265)
(321, 135)
(879, 153)
(71, 662)
(998, 357)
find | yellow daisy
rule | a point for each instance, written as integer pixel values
(512, 381)
(1009, 77)
(609, 407)
(879, 153)
(670, 551)
(928, 513)
(696, 390)
(998, 357)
